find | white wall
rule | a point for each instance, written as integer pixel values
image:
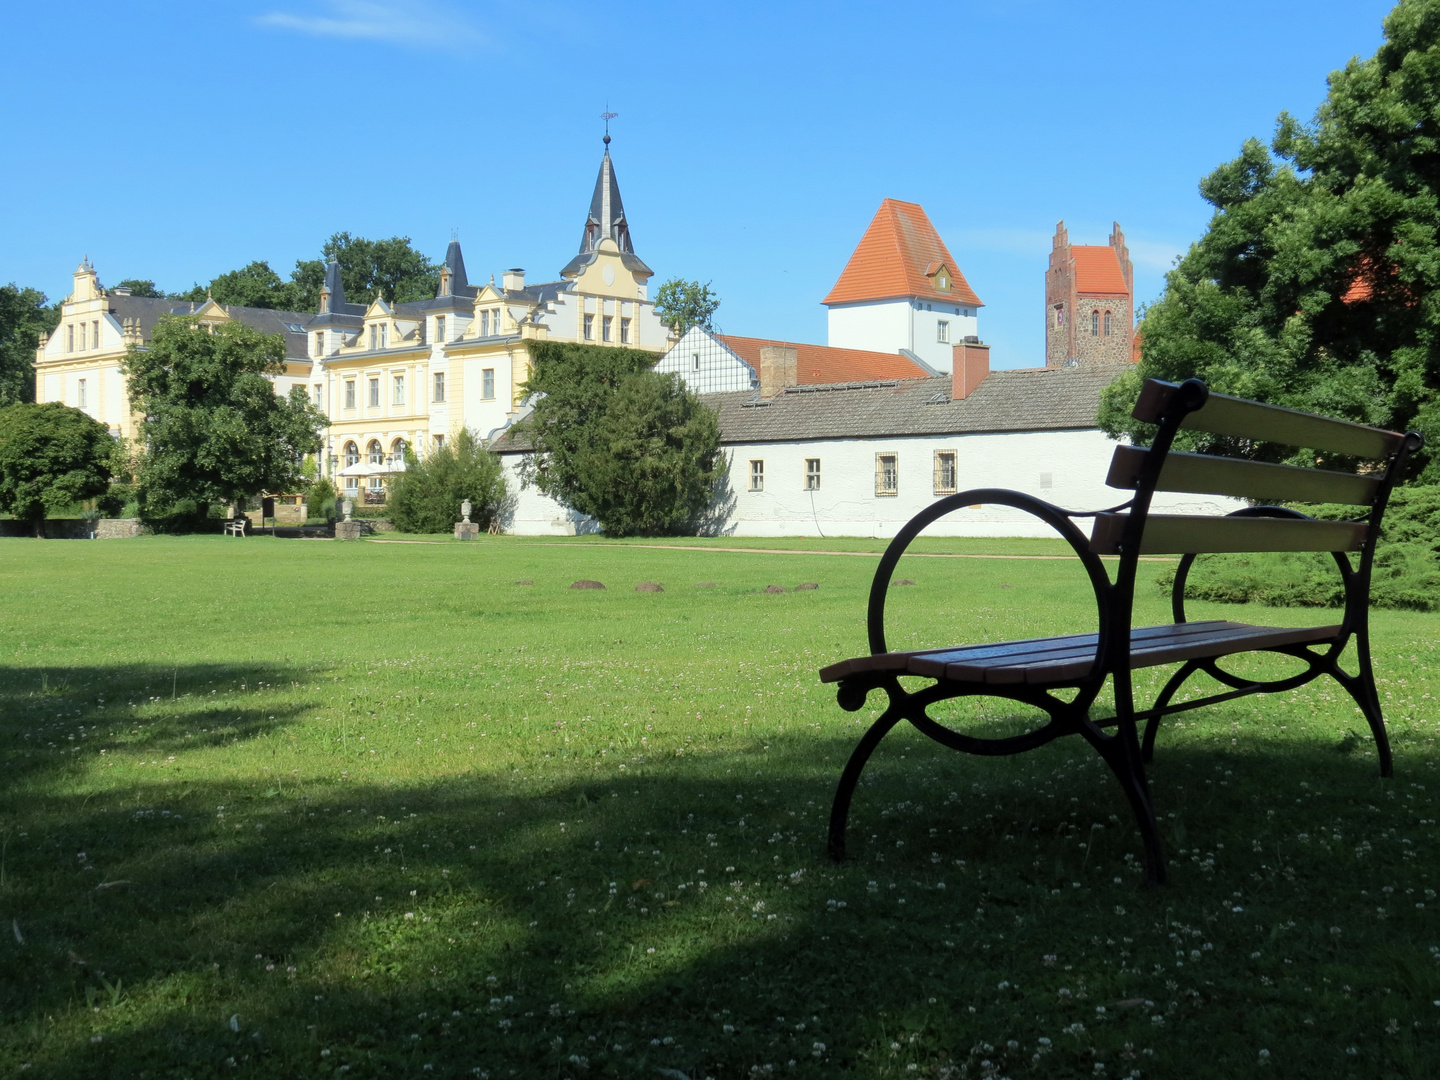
(892, 325)
(719, 370)
(1067, 468)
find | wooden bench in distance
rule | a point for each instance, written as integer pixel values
(1033, 671)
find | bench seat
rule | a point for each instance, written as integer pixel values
(1048, 661)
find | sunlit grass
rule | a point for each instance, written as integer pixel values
(311, 806)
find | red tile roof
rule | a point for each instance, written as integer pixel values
(817, 364)
(895, 257)
(1097, 271)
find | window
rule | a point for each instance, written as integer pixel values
(495, 321)
(352, 454)
(439, 327)
(320, 395)
(70, 337)
(80, 393)
(484, 324)
(397, 450)
(376, 452)
(887, 474)
(83, 346)
(942, 330)
(374, 337)
(95, 335)
(624, 331)
(439, 386)
(589, 327)
(1094, 324)
(944, 472)
(384, 334)
(757, 476)
(605, 322)
(812, 474)
(1107, 324)
(695, 361)
(398, 385)
(352, 486)
(320, 343)
(349, 393)
(487, 383)
(439, 442)
(374, 393)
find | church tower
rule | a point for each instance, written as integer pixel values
(1089, 302)
(606, 229)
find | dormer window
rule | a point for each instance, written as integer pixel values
(384, 334)
(440, 328)
(942, 282)
(374, 336)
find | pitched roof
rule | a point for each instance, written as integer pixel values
(818, 364)
(1097, 271)
(606, 219)
(899, 249)
(1033, 399)
(149, 310)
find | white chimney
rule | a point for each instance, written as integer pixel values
(513, 280)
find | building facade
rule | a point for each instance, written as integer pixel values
(1089, 302)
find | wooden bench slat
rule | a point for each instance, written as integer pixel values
(1179, 534)
(1210, 475)
(1241, 419)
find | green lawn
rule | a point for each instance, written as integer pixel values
(290, 808)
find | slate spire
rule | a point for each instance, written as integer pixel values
(332, 293)
(607, 212)
(453, 281)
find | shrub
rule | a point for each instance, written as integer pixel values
(426, 497)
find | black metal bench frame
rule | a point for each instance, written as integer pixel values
(1083, 663)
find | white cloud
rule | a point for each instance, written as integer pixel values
(409, 23)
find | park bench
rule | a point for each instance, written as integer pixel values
(236, 526)
(1036, 672)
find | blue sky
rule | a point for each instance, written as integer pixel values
(754, 142)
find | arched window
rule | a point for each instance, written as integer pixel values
(376, 452)
(1094, 324)
(352, 454)
(397, 450)
(1107, 324)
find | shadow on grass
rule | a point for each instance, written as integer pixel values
(506, 924)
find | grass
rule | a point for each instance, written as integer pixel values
(289, 808)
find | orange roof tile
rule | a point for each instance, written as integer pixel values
(818, 364)
(1097, 271)
(894, 258)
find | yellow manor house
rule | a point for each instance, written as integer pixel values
(386, 375)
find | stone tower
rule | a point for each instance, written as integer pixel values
(1089, 302)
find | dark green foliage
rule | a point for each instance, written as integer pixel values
(321, 498)
(1406, 572)
(682, 304)
(392, 267)
(215, 429)
(426, 497)
(24, 316)
(1347, 204)
(143, 287)
(51, 457)
(634, 450)
(255, 286)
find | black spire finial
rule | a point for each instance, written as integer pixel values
(607, 116)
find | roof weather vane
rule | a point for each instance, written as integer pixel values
(607, 116)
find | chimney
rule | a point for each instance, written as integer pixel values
(971, 365)
(513, 280)
(779, 368)
(120, 290)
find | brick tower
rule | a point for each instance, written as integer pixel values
(1089, 302)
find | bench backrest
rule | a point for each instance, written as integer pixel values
(1191, 406)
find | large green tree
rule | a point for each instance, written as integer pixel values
(214, 429)
(143, 287)
(255, 285)
(426, 497)
(613, 439)
(24, 316)
(681, 304)
(1317, 283)
(51, 457)
(392, 267)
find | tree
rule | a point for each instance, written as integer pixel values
(255, 285)
(143, 287)
(426, 497)
(214, 429)
(682, 304)
(24, 316)
(612, 439)
(393, 267)
(51, 457)
(1317, 283)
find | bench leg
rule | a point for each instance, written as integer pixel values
(840, 809)
(1362, 688)
(1122, 754)
(1147, 748)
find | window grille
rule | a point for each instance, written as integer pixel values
(944, 472)
(887, 474)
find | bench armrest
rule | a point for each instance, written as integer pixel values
(1049, 513)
